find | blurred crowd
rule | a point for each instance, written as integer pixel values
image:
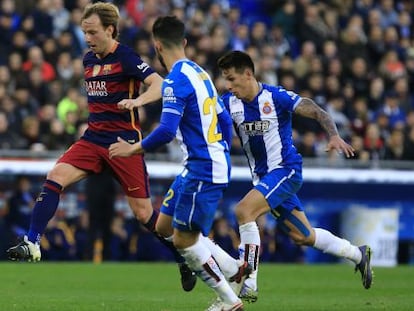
(354, 58)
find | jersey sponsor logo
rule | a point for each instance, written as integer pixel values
(168, 95)
(95, 70)
(143, 67)
(236, 113)
(96, 88)
(267, 108)
(168, 81)
(256, 127)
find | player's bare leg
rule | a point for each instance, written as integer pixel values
(149, 217)
(297, 226)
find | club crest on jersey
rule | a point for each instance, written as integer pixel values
(168, 94)
(255, 127)
(267, 108)
(96, 69)
(107, 69)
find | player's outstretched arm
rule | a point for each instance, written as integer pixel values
(308, 108)
(152, 94)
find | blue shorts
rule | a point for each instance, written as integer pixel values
(280, 186)
(192, 204)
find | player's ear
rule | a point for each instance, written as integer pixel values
(110, 30)
(248, 72)
(157, 45)
(184, 42)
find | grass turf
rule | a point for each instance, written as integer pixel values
(156, 287)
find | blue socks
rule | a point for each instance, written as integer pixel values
(44, 209)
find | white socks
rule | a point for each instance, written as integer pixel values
(331, 244)
(227, 264)
(250, 238)
(200, 260)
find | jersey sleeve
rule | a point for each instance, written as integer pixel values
(175, 91)
(225, 122)
(134, 67)
(287, 99)
(225, 99)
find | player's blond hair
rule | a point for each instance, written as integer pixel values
(108, 13)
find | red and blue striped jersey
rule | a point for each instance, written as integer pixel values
(108, 80)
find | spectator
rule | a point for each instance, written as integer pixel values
(394, 148)
(35, 59)
(391, 108)
(225, 236)
(100, 191)
(359, 76)
(9, 139)
(307, 146)
(373, 142)
(38, 88)
(313, 28)
(302, 64)
(376, 93)
(286, 20)
(20, 205)
(43, 21)
(60, 17)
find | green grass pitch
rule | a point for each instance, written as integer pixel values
(156, 287)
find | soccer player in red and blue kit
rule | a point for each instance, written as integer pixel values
(113, 74)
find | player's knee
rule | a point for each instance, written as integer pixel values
(163, 230)
(246, 213)
(299, 238)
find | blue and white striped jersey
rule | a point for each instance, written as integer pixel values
(264, 127)
(189, 92)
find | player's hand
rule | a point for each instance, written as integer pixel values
(129, 104)
(124, 149)
(338, 144)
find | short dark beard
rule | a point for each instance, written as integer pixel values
(161, 59)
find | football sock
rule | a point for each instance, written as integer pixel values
(44, 209)
(150, 225)
(199, 259)
(249, 250)
(331, 244)
(227, 264)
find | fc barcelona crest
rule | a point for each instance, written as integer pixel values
(107, 69)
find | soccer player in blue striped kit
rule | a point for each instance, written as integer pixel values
(261, 116)
(193, 113)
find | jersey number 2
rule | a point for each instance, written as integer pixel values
(209, 107)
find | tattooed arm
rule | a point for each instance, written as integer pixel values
(308, 108)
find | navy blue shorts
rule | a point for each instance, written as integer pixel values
(192, 204)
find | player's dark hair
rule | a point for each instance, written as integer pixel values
(237, 60)
(169, 30)
(108, 14)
